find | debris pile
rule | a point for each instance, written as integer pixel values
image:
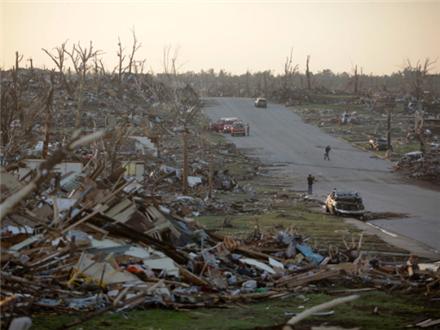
(96, 243)
(420, 165)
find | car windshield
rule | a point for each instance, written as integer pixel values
(231, 120)
(346, 195)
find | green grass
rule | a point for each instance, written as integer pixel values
(394, 312)
(402, 149)
(323, 229)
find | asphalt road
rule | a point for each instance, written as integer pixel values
(279, 136)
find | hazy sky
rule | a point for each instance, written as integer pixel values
(231, 35)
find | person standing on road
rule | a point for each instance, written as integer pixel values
(327, 153)
(310, 182)
(247, 129)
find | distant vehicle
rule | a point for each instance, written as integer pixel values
(238, 129)
(218, 125)
(227, 127)
(261, 102)
(344, 203)
(379, 144)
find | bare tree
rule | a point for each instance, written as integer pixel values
(18, 113)
(31, 65)
(121, 58)
(170, 68)
(419, 131)
(135, 47)
(7, 111)
(290, 69)
(139, 66)
(15, 81)
(185, 119)
(11, 101)
(133, 66)
(266, 76)
(59, 59)
(416, 76)
(18, 59)
(80, 57)
(170, 57)
(183, 116)
(98, 72)
(355, 80)
(48, 119)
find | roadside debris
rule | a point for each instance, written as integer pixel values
(420, 165)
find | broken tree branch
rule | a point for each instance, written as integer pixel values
(308, 312)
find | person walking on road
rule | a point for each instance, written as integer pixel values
(247, 129)
(310, 182)
(327, 153)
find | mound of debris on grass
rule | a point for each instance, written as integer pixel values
(422, 166)
(94, 243)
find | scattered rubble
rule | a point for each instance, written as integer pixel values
(422, 166)
(106, 221)
(105, 243)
